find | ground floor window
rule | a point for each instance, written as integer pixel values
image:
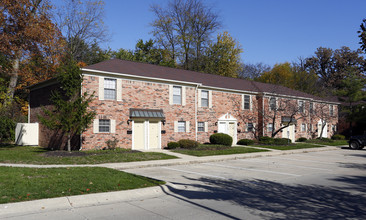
(250, 127)
(270, 127)
(201, 126)
(104, 125)
(303, 127)
(181, 126)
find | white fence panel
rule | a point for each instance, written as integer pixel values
(26, 134)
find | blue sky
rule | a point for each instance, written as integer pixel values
(270, 31)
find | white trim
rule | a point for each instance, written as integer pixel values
(175, 126)
(183, 95)
(119, 90)
(199, 98)
(113, 126)
(101, 88)
(187, 126)
(209, 98)
(206, 126)
(170, 94)
(96, 126)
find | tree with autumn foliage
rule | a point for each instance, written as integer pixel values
(223, 56)
(25, 30)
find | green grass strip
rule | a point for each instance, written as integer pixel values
(24, 184)
(211, 150)
(37, 155)
(329, 143)
(289, 147)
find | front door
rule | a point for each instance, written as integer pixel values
(325, 131)
(228, 127)
(138, 135)
(289, 133)
(154, 135)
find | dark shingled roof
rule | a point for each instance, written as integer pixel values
(210, 80)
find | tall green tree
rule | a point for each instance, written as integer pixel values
(362, 35)
(223, 56)
(69, 111)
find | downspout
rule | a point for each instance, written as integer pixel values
(81, 93)
(195, 111)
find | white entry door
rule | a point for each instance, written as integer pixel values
(289, 133)
(228, 127)
(325, 131)
(146, 135)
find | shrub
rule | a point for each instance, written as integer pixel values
(188, 144)
(221, 139)
(338, 137)
(281, 141)
(301, 139)
(172, 145)
(112, 144)
(266, 140)
(7, 129)
(245, 142)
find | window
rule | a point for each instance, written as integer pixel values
(272, 104)
(204, 98)
(301, 106)
(334, 128)
(250, 127)
(104, 125)
(246, 102)
(270, 127)
(110, 89)
(177, 95)
(331, 112)
(201, 126)
(311, 108)
(303, 127)
(181, 126)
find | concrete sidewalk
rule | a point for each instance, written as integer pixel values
(181, 160)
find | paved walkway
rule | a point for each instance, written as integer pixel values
(181, 160)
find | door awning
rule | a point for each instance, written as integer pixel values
(287, 119)
(147, 113)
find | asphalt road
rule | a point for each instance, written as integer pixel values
(317, 185)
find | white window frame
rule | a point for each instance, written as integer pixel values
(270, 127)
(108, 87)
(303, 127)
(275, 103)
(177, 89)
(108, 126)
(301, 106)
(248, 127)
(247, 100)
(206, 92)
(202, 127)
(181, 126)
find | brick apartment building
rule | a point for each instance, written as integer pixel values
(146, 106)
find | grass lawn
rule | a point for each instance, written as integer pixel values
(37, 155)
(210, 150)
(24, 184)
(330, 143)
(289, 147)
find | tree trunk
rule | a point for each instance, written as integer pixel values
(13, 81)
(69, 142)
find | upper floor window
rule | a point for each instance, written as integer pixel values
(246, 102)
(110, 88)
(272, 104)
(331, 110)
(104, 125)
(177, 95)
(204, 98)
(301, 106)
(311, 108)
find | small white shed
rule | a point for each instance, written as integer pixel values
(26, 134)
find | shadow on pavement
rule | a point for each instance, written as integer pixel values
(271, 200)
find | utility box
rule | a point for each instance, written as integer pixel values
(26, 134)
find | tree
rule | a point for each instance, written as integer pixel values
(224, 56)
(322, 112)
(70, 111)
(81, 22)
(280, 74)
(184, 28)
(333, 66)
(25, 27)
(362, 35)
(351, 94)
(253, 71)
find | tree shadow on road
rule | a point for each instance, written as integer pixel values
(277, 200)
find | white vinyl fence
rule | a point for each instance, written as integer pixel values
(26, 134)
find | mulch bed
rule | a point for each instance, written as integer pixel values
(82, 153)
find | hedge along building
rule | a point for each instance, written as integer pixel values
(146, 106)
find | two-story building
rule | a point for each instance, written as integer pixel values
(146, 106)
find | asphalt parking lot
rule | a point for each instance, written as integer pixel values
(317, 185)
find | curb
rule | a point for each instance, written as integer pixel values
(71, 202)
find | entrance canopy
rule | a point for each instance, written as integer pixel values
(147, 113)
